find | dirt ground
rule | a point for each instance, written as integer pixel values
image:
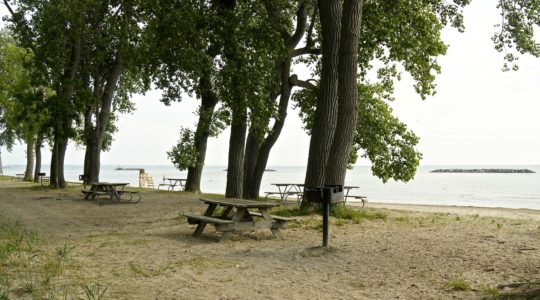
(146, 251)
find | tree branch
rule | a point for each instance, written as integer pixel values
(6, 3)
(293, 80)
(306, 50)
(309, 39)
(301, 22)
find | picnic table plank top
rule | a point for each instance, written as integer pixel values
(298, 184)
(241, 203)
(180, 179)
(110, 183)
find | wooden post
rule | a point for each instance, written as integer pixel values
(141, 177)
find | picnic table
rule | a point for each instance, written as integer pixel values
(297, 189)
(287, 189)
(19, 177)
(237, 217)
(174, 182)
(114, 190)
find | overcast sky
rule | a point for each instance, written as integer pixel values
(480, 115)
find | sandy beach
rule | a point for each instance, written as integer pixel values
(146, 251)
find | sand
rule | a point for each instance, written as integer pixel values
(146, 251)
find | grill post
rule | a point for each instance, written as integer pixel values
(324, 196)
(326, 216)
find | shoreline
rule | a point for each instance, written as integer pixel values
(498, 212)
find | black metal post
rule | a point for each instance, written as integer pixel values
(326, 213)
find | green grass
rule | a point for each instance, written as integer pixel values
(4, 178)
(459, 284)
(490, 292)
(356, 215)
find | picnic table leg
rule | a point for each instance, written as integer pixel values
(226, 212)
(267, 217)
(200, 227)
(240, 215)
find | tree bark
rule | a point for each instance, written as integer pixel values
(348, 94)
(238, 103)
(28, 175)
(57, 163)
(253, 147)
(209, 101)
(88, 136)
(325, 118)
(235, 170)
(37, 170)
(62, 127)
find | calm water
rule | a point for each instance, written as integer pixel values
(484, 190)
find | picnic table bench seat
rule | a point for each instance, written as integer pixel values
(361, 198)
(285, 195)
(168, 185)
(280, 221)
(131, 194)
(97, 193)
(197, 219)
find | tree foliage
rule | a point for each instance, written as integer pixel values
(518, 31)
(184, 154)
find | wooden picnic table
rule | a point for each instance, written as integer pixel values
(287, 189)
(114, 190)
(174, 182)
(236, 217)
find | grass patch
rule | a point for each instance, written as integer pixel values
(137, 269)
(459, 284)
(33, 267)
(489, 292)
(355, 215)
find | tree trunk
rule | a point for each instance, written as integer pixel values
(253, 147)
(37, 170)
(1, 166)
(257, 154)
(102, 113)
(263, 150)
(88, 137)
(209, 101)
(348, 94)
(235, 171)
(29, 161)
(57, 163)
(325, 119)
(63, 114)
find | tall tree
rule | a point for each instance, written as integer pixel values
(325, 119)
(392, 33)
(54, 31)
(183, 53)
(110, 73)
(21, 99)
(262, 136)
(347, 93)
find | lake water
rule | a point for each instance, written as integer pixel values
(483, 190)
